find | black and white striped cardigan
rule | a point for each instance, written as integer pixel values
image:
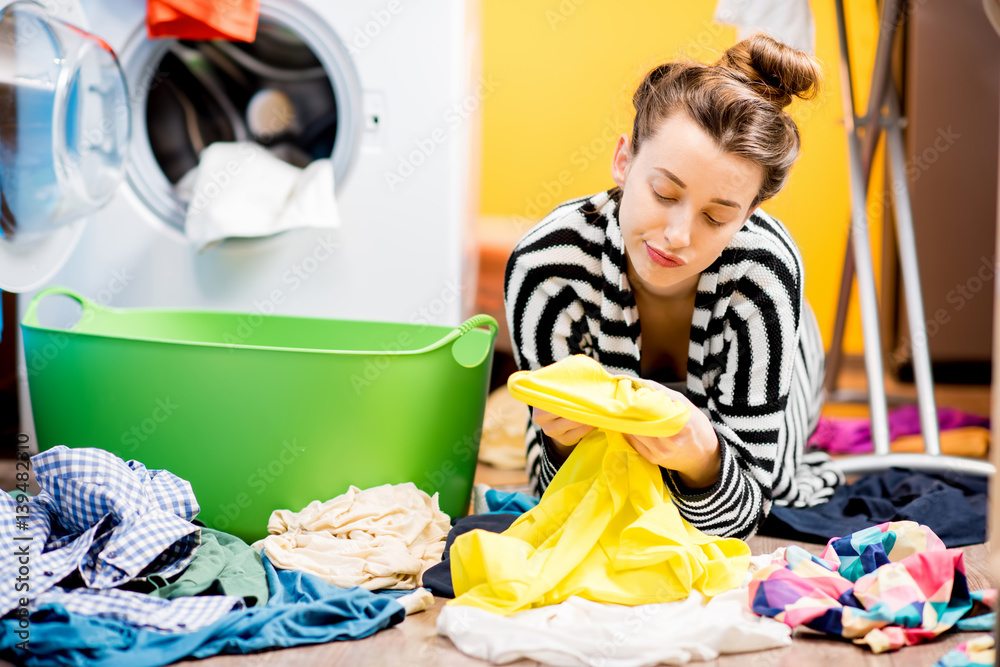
(755, 360)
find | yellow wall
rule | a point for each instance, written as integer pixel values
(566, 70)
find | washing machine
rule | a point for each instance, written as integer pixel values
(389, 91)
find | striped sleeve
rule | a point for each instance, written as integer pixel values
(546, 280)
(542, 466)
(805, 478)
(753, 348)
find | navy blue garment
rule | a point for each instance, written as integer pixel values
(437, 579)
(302, 609)
(952, 505)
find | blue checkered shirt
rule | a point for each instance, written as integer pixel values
(107, 522)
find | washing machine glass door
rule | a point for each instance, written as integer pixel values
(64, 132)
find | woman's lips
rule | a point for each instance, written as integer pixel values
(664, 259)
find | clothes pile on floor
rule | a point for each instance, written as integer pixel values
(961, 433)
(888, 586)
(107, 565)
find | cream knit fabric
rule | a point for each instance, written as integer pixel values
(383, 537)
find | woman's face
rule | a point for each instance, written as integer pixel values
(683, 199)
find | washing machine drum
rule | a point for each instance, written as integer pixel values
(64, 134)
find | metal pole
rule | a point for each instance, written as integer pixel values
(911, 277)
(880, 78)
(859, 214)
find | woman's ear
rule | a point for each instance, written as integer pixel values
(620, 162)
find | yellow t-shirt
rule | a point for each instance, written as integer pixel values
(606, 528)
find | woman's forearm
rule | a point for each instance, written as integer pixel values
(704, 477)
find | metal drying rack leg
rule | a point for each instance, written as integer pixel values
(858, 262)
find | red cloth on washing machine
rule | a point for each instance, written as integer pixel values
(234, 20)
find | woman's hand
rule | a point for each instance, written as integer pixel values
(564, 433)
(693, 452)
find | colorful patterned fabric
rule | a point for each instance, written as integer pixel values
(978, 651)
(888, 586)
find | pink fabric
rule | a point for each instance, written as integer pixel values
(854, 435)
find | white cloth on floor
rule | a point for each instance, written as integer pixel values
(417, 601)
(242, 190)
(382, 537)
(479, 504)
(788, 21)
(580, 632)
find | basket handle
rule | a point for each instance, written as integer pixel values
(466, 350)
(90, 309)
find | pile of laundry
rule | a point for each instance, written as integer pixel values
(603, 569)
(886, 587)
(106, 567)
(952, 504)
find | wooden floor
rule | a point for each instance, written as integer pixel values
(414, 642)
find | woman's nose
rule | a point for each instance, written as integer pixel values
(677, 232)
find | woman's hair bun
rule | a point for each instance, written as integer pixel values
(776, 71)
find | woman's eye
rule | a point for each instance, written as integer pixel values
(662, 198)
(713, 221)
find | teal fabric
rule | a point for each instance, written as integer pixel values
(223, 565)
(302, 609)
(505, 501)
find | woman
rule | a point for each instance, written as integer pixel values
(676, 276)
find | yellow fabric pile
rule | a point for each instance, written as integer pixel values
(606, 528)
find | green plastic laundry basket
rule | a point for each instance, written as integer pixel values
(265, 412)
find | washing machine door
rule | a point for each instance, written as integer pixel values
(64, 133)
